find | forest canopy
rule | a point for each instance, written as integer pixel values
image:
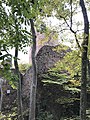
(65, 72)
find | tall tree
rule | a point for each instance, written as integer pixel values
(19, 91)
(13, 37)
(1, 94)
(83, 95)
(34, 80)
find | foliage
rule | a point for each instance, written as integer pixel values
(61, 48)
(66, 72)
(70, 63)
(71, 118)
(44, 115)
(10, 76)
(89, 48)
(49, 36)
(23, 67)
(14, 32)
(8, 117)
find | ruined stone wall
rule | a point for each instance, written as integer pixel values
(46, 58)
(26, 82)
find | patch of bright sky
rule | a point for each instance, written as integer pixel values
(23, 58)
(78, 24)
(55, 23)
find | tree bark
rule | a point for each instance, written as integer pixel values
(19, 91)
(1, 94)
(83, 94)
(88, 72)
(34, 79)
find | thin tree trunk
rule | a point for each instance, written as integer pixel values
(83, 94)
(88, 71)
(1, 95)
(19, 92)
(34, 80)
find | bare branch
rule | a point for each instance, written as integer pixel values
(74, 32)
(71, 14)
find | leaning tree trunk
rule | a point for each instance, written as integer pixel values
(19, 93)
(34, 79)
(83, 95)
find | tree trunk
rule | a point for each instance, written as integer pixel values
(1, 94)
(19, 92)
(88, 72)
(34, 80)
(83, 93)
